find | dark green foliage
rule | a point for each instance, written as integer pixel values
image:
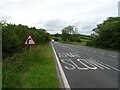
(68, 34)
(56, 38)
(107, 34)
(57, 35)
(74, 38)
(87, 37)
(14, 36)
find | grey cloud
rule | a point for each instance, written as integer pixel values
(55, 24)
(84, 26)
(57, 14)
(85, 31)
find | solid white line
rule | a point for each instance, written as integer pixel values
(64, 79)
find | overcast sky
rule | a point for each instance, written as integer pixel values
(54, 15)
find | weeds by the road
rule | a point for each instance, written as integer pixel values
(35, 69)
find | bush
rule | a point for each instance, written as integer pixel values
(107, 34)
(14, 37)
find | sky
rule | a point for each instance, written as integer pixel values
(54, 15)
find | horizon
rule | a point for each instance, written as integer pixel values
(54, 15)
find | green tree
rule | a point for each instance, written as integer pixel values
(13, 37)
(107, 34)
(69, 34)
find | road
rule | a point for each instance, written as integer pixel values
(86, 67)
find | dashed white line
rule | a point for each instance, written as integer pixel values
(102, 53)
(112, 56)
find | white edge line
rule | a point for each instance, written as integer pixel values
(64, 79)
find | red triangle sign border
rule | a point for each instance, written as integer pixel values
(28, 43)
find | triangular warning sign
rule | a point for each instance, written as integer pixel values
(30, 41)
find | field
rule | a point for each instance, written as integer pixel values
(82, 43)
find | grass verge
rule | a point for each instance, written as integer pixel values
(35, 69)
(82, 43)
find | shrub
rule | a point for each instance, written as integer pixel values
(15, 35)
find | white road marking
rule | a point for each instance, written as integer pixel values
(68, 55)
(102, 53)
(109, 66)
(112, 56)
(93, 67)
(90, 61)
(72, 66)
(64, 46)
(101, 65)
(79, 67)
(72, 50)
(59, 54)
(94, 51)
(94, 63)
(64, 79)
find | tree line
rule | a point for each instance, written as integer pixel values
(107, 34)
(13, 37)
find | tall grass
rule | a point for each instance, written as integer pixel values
(35, 69)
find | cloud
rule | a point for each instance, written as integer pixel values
(54, 15)
(54, 25)
(5, 17)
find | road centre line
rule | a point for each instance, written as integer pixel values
(64, 79)
(90, 61)
(102, 53)
(89, 50)
(112, 56)
(95, 62)
(108, 65)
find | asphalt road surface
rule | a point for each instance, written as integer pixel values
(86, 67)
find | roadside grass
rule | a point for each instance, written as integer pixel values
(35, 69)
(82, 43)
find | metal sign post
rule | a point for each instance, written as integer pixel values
(30, 48)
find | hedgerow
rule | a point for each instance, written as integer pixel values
(14, 36)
